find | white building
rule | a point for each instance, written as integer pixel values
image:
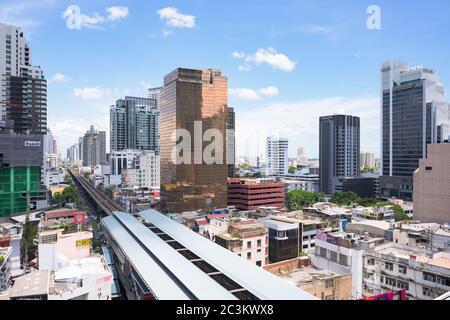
(392, 267)
(343, 253)
(5, 267)
(276, 156)
(367, 159)
(123, 160)
(145, 172)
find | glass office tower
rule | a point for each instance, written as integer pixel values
(413, 114)
(189, 96)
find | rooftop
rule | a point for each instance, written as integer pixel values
(34, 283)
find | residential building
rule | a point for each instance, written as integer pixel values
(432, 185)
(277, 156)
(367, 159)
(342, 253)
(123, 159)
(339, 150)
(308, 183)
(231, 142)
(392, 267)
(245, 237)
(329, 212)
(134, 124)
(193, 101)
(323, 284)
(363, 186)
(94, 147)
(386, 213)
(249, 194)
(144, 173)
(413, 115)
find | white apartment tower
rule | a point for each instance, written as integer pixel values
(276, 156)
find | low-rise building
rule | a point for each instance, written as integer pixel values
(392, 267)
(342, 253)
(247, 238)
(323, 284)
(330, 212)
(249, 194)
(386, 213)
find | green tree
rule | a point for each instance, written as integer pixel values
(28, 247)
(87, 175)
(69, 194)
(303, 254)
(299, 199)
(2, 259)
(344, 198)
(292, 169)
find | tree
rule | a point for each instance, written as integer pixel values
(2, 259)
(299, 199)
(399, 213)
(87, 175)
(69, 194)
(344, 198)
(292, 169)
(28, 247)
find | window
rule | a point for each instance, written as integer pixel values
(371, 261)
(389, 266)
(443, 280)
(429, 277)
(333, 256)
(402, 285)
(322, 252)
(329, 283)
(391, 282)
(428, 292)
(402, 269)
(259, 263)
(249, 244)
(249, 255)
(258, 243)
(428, 168)
(343, 260)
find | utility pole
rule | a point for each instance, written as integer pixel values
(25, 258)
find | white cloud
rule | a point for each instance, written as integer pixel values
(270, 56)
(91, 93)
(17, 12)
(78, 20)
(117, 13)
(173, 18)
(245, 68)
(59, 78)
(251, 94)
(269, 91)
(299, 121)
(167, 33)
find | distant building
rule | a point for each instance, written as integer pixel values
(134, 124)
(94, 147)
(339, 150)
(144, 173)
(323, 284)
(432, 185)
(413, 114)
(276, 156)
(249, 194)
(367, 159)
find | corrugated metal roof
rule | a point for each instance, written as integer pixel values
(259, 282)
(161, 284)
(201, 285)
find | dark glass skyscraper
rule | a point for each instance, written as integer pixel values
(134, 124)
(413, 114)
(339, 150)
(191, 96)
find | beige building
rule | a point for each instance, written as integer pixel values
(432, 186)
(324, 284)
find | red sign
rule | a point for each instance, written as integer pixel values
(79, 217)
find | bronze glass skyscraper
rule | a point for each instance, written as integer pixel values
(189, 96)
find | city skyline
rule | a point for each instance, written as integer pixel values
(283, 78)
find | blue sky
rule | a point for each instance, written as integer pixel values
(288, 62)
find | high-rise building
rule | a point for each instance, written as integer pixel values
(277, 156)
(367, 159)
(94, 147)
(231, 143)
(413, 114)
(23, 123)
(339, 150)
(155, 94)
(432, 186)
(134, 124)
(193, 99)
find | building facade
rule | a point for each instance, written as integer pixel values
(339, 150)
(413, 114)
(277, 156)
(134, 124)
(432, 185)
(192, 102)
(246, 194)
(94, 147)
